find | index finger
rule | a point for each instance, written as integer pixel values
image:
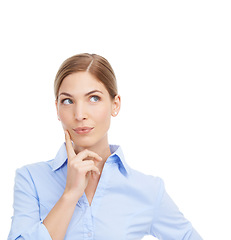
(69, 147)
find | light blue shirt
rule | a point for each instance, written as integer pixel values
(127, 204)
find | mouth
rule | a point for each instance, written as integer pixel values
(83, 130)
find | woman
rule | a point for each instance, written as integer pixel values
(88, 191)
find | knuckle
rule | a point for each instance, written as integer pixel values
(71, 164)
(91, 162)
(74, 165)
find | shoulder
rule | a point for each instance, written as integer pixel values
(36, 166)
(135, 177)
(46, 166)
(34, 170)
(32, 178)
(150, 185)
(141, 178)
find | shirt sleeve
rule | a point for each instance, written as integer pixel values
(26, 222)
(169, 223)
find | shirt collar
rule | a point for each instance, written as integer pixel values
(116, 156)
(60, 158)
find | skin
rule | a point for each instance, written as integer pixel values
(82, 101)
(80, 110)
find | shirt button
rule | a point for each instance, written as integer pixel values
(89, 234)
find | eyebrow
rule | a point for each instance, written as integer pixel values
(87, 94)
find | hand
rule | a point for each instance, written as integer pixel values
(79, 169)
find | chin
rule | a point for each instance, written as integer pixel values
(88, 143)
(84, 143)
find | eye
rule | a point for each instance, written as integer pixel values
(94, 98)
(66, 101)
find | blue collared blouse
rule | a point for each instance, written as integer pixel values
(127, 204)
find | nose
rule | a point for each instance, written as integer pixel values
(80, 112)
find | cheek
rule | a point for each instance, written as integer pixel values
(103, 115)
(64, 117)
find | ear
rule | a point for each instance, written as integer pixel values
(56, 105)
(116, 104)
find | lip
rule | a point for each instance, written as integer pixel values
(83, 130)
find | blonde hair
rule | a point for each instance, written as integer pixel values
(98, 66)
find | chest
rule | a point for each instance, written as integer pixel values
(110, 209)
(106, 219)
(90, 191)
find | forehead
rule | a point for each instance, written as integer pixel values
(81, 82)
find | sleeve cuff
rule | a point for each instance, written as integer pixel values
(37, 232)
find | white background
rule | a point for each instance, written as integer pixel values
(172, 60)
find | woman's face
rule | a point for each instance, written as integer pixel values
(84, 108)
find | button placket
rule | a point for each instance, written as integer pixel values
(88, 225)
